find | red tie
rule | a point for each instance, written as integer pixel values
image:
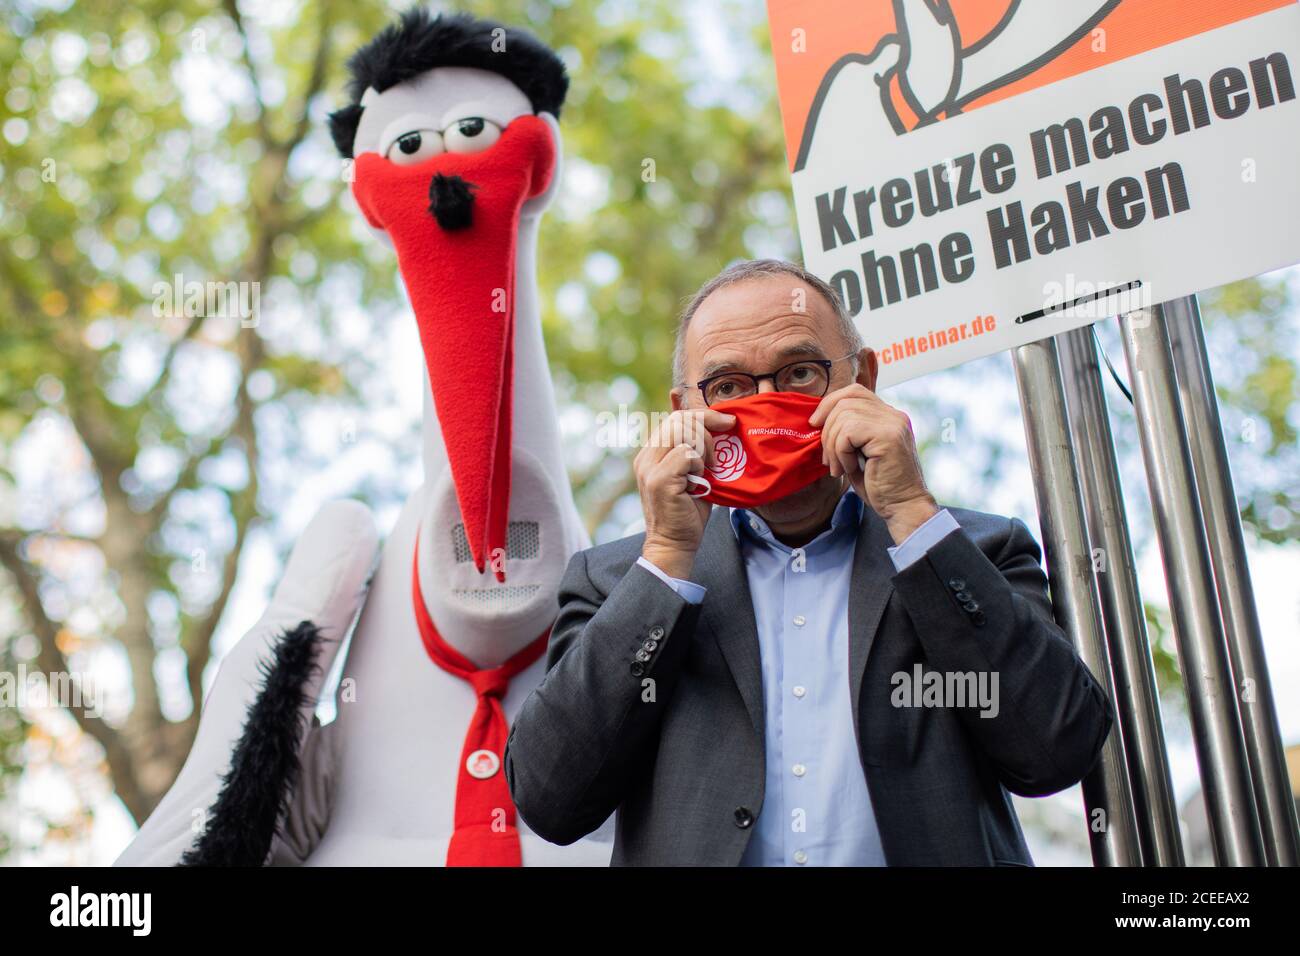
(485, 833)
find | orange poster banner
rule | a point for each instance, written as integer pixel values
(810, 38)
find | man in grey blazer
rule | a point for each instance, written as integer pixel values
(847, 675)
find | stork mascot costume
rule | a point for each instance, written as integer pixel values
(453, 130)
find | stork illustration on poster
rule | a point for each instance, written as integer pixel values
(452, 145)
(926, 70)
(972, 175)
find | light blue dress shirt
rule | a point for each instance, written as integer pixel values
(816, 809)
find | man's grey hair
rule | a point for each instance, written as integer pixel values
(755, 269)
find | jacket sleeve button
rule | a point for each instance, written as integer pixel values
(978, 618)
(637, 668)
(957, 584)
(656, 633)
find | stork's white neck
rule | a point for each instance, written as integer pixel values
(485, 620)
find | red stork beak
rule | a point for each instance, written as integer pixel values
(454, 221)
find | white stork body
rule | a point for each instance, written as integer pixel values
(395, 752)
(377, 786)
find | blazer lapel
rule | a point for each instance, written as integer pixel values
(869, 590)
(728, 609)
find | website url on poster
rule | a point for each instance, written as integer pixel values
(936, 339)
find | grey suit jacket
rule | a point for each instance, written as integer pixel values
(675, 742)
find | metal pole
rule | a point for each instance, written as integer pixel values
(1074, 591)
(1136, 692)
(1273, 799)
(1220, 749)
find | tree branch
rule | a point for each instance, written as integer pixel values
(184, 479)
(51, 661)
(243, 506)
(246, 54)
(316, 81)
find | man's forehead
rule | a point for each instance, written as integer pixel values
(434, 94)
(773, 293)
(771, 312)
(750, 356)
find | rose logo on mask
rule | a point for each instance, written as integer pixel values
(769, 453)
(729, 459)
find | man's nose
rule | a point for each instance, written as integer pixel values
(767, 385)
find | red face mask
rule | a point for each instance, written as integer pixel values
(769, 453)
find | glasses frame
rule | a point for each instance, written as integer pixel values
(826, 364)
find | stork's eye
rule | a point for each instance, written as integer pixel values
(414, 147)
(471, 134)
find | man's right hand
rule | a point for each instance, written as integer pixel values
(674, 521)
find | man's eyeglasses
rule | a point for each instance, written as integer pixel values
(807, 376)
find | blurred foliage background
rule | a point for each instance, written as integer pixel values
(154, 468)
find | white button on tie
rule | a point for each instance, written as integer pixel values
(799, 770)
(482, 764)
(799, 620)
(800, 690)
(800, 857)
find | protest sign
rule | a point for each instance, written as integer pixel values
(972, 175)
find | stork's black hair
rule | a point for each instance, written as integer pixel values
(420, 41)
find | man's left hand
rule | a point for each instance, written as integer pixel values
(855, 420)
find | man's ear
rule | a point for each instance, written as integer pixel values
(868, 368)
(538, 204)
(677, 397)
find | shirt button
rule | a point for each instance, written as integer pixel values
(799, 770)
(800, 857)
(799, 620)
(800, 690)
